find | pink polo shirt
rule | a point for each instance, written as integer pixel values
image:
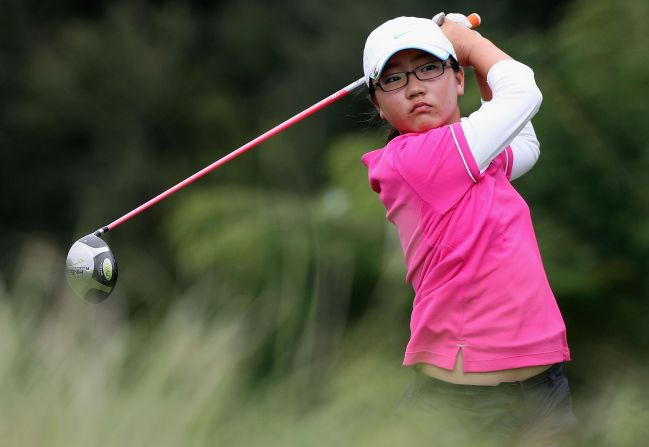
(471, 255)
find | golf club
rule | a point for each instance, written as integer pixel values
(91, 268)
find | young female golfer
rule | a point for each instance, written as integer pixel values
(485, 327)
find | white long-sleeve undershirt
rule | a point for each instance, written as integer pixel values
(505, 120)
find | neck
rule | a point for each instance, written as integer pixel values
(455, 117)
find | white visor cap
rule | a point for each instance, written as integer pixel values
(399, 34)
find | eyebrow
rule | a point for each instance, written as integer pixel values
(420, 56)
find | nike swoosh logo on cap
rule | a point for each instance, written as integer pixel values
(397, 35)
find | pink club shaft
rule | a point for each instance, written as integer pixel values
(234, 154)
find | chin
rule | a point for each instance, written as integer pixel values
(425, 127)
(430, 122)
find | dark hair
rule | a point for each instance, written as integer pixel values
(371, 92)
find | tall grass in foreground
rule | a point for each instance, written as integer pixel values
(79, 375)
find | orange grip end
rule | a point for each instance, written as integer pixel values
(474, 19)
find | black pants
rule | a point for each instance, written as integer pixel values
(534, 412)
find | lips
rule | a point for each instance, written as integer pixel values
(420, 107)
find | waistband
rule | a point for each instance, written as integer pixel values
(547, 377)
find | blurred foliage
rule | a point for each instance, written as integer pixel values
(282, 262)
(83, 375)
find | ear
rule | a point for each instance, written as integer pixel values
(377, 107)
(459, 79)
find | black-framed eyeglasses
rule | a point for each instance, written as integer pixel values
(425, 72)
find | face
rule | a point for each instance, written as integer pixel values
(420, 105)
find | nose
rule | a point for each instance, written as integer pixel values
(414, 87)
